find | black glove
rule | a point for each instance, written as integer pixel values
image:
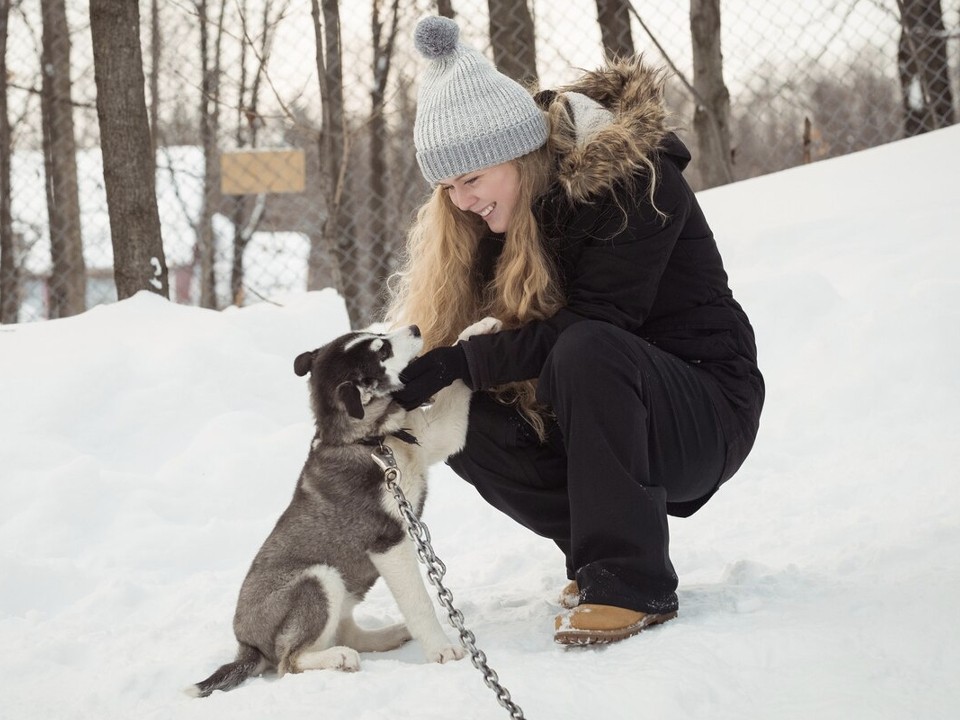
(430, 373)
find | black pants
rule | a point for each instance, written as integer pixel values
(635, 430)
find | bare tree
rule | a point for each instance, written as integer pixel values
(853, 108)
(248, 123)
(513, 40)
(445, 8)
(68, 271)
(377, 200)
(711, 119)
(128, 162)
(614, 19)
(326, 260)
(156, 50)
(924, 71)
(205, 252)
(9, 275)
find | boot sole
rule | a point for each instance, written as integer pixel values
(574, 636)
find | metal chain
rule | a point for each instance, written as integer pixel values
(420, 535)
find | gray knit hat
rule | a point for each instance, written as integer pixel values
(469, 116)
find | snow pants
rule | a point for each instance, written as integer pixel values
(635, 430)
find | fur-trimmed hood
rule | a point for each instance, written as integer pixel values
(608, 125)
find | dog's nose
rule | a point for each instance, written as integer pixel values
(415, 331)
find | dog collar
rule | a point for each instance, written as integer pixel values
(401, 434)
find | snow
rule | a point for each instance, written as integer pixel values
(147, 448)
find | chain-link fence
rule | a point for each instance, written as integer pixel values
(283, 128)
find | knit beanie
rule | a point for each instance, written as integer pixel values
(469, 116)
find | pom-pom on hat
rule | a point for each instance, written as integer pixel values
(469, 116)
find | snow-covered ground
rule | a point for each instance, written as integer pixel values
(146, 450)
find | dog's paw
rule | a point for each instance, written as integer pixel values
(335, 658)
(447, 653)
(481, 327)
(344, 659)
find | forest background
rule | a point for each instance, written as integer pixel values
(223, 152)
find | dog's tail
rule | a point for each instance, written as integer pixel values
(249, 662)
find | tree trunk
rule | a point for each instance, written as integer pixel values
(240, 237)
(711, 120)
(378, 200)
(513, 41)
(68, 272)
(128, 164)
(614, 19)
(205, 253)
(445, 8)
(924, 71)
(329, 247)
(156, 50)
(248, 123)
(9, 272)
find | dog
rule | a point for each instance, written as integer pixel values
(342, 529)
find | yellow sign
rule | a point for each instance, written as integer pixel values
(249, 172)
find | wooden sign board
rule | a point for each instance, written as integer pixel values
(249, 172)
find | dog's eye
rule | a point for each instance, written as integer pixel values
(385, 352)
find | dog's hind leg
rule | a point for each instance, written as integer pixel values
(306, 640)
(337, 657)
(378, 640)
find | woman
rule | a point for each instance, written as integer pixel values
(624, 386)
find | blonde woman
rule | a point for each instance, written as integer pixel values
(624, 386)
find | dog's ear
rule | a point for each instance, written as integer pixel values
(303, 363)
(349, 395)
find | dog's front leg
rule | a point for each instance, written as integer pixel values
(442, 428)
(398, 568)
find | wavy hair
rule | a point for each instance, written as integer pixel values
(438, 287)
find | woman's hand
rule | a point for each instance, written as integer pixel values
(430, 373)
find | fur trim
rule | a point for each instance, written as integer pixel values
(633, 92)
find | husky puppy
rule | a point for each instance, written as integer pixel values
(342, 529)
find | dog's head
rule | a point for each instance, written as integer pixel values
(351, 379)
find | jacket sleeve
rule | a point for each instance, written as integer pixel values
(624, 246)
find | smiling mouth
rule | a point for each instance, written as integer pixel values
(487, 210)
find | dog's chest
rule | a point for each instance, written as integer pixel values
(413, 484)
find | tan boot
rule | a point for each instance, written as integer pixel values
(588, 624)
(570, 595)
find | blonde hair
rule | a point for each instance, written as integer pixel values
(438, 287)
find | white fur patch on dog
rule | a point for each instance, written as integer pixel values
(481, 327)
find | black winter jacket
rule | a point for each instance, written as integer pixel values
(621, 263)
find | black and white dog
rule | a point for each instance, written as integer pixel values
(342, 529)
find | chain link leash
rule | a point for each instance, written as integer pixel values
(420, 535)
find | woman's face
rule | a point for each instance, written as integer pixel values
(491, 193)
